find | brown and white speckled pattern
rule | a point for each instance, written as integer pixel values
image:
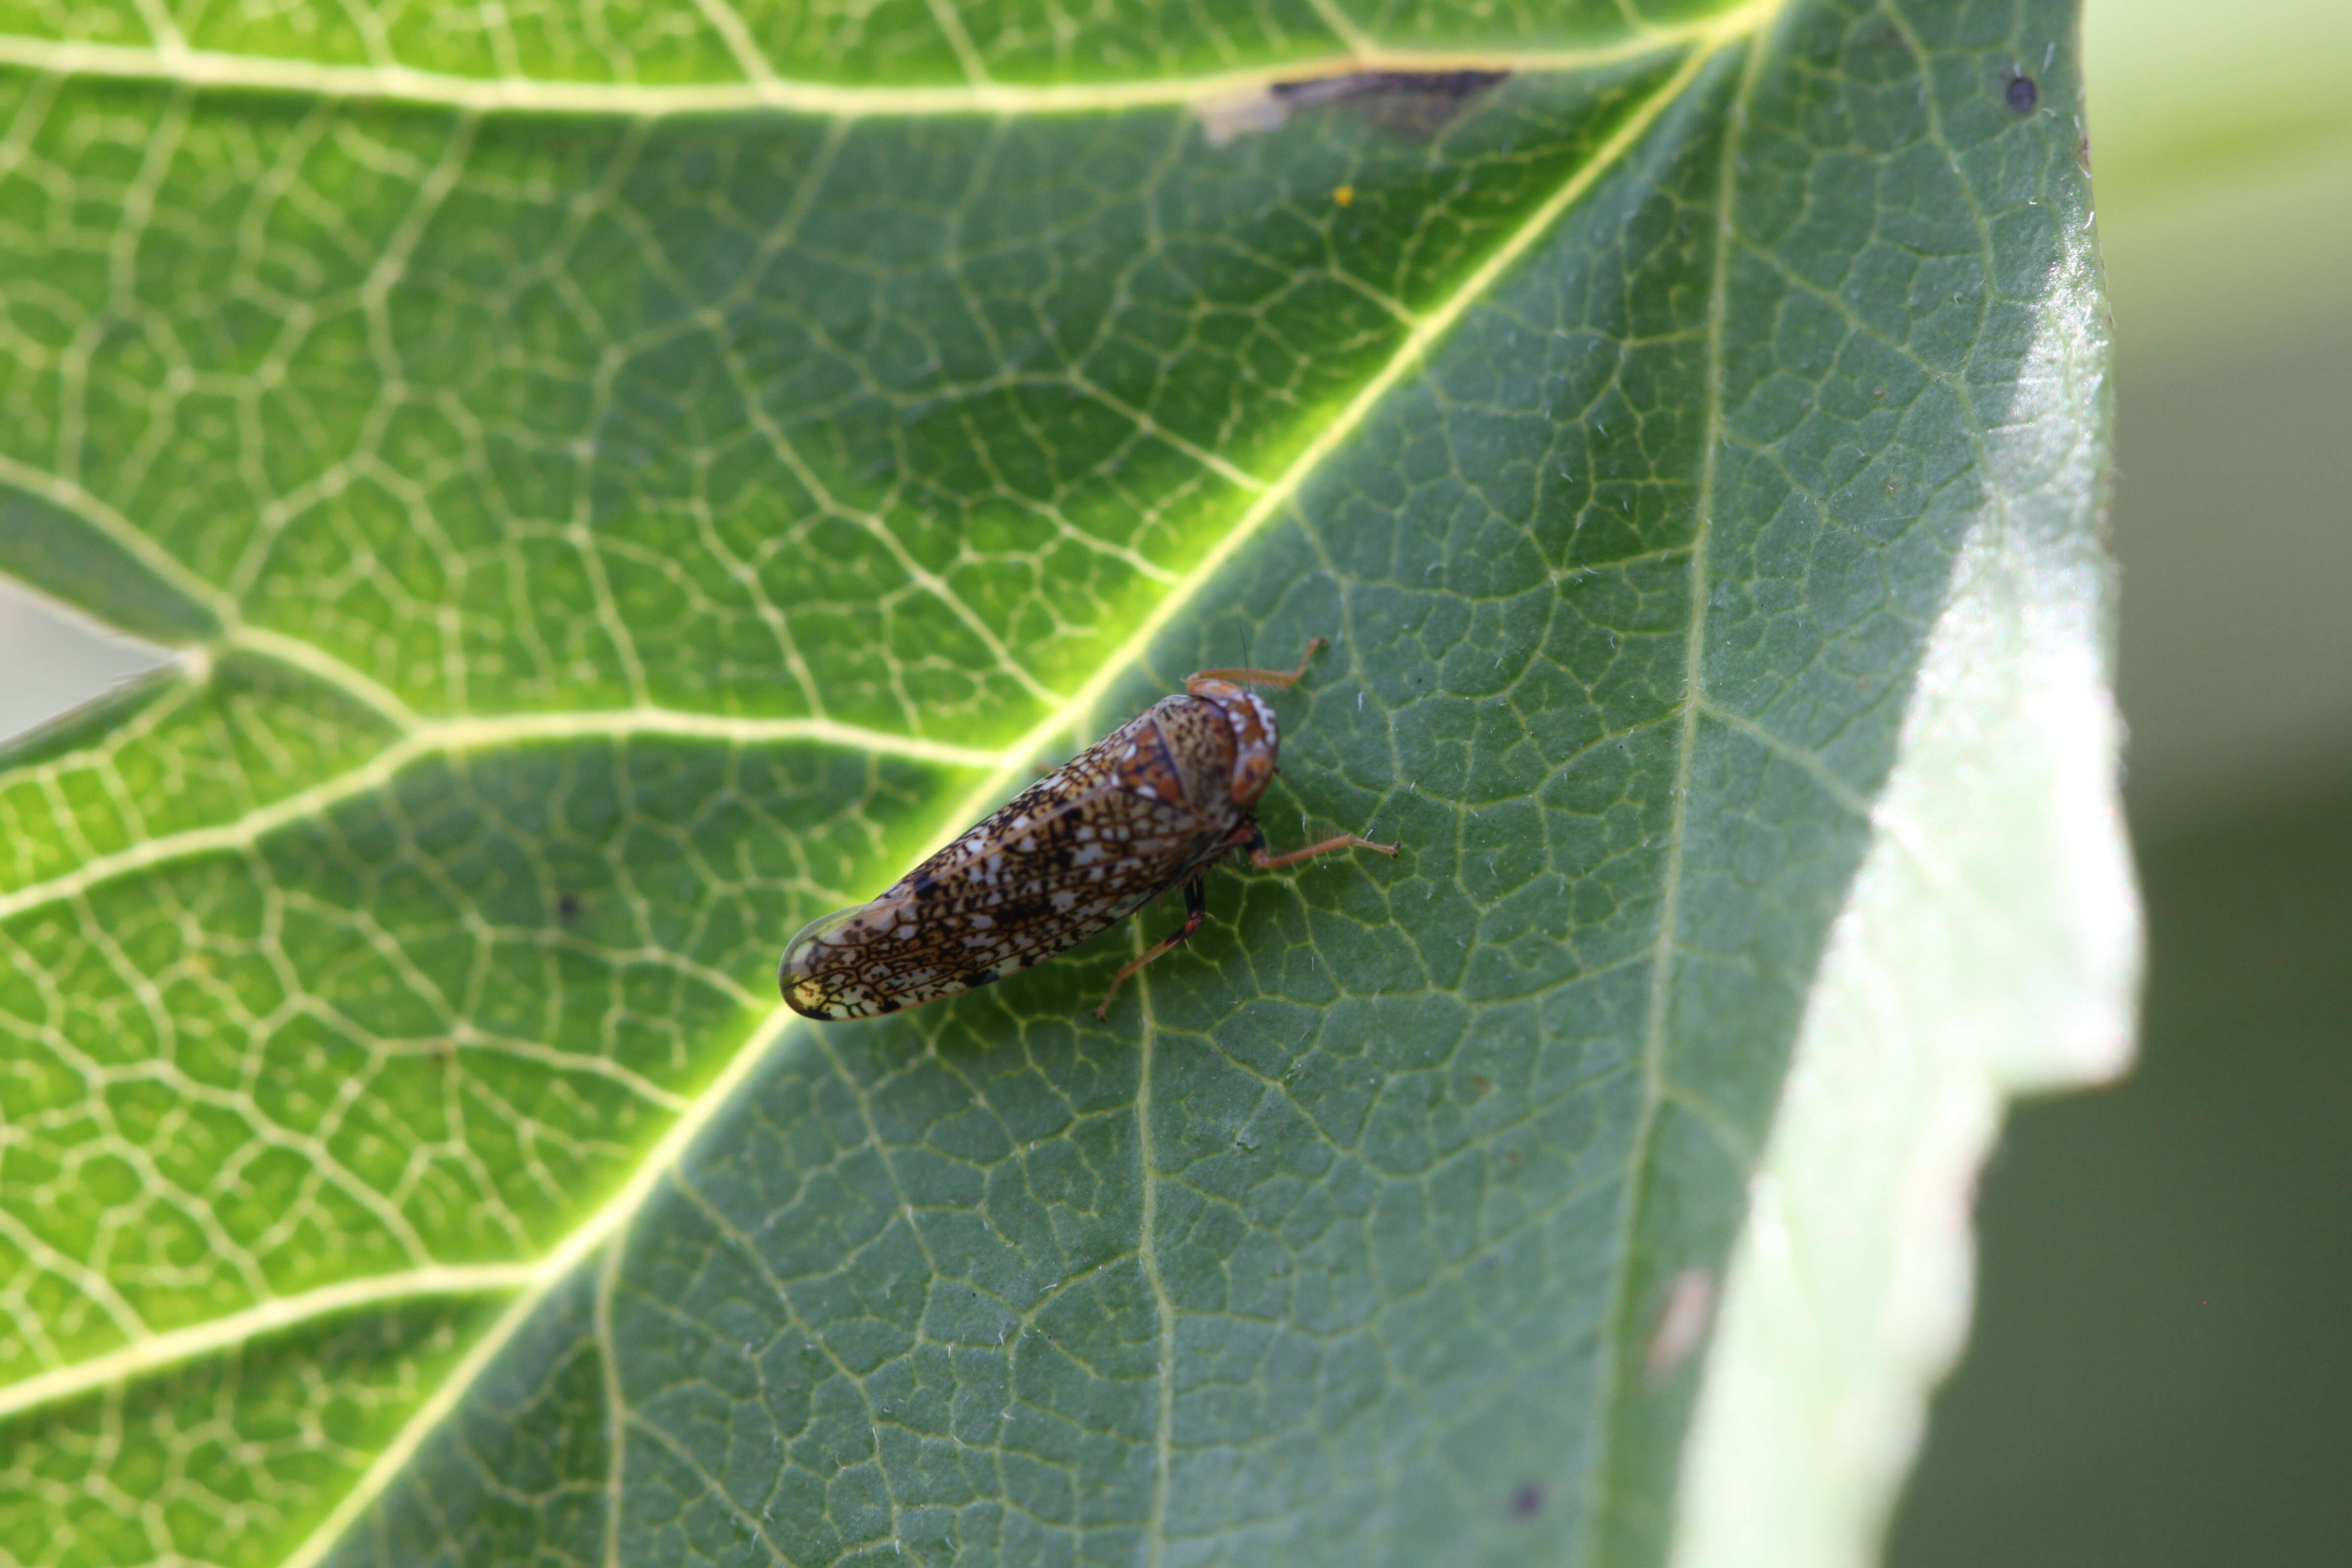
(1153, 803)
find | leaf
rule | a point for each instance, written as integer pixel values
(620, 488)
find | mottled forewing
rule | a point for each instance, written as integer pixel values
(1077, 852)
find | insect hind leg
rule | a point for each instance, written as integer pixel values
(1260, 677)
(1266, 861)
(1196, 915)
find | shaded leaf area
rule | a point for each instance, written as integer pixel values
(606, 543)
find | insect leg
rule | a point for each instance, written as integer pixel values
(1263, 861)
(1196, 915)
(1263, 677)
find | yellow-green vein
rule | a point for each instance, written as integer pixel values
(203, 68)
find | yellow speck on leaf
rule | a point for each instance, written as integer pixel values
(1345, 196)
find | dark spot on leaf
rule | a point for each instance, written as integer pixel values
(2022, 94)
(1528, 1501)
(886, 1006)
(567, 907)
(1412, 103)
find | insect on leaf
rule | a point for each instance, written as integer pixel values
(1152, 805)
(618, 486)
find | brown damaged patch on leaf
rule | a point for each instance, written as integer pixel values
(1415, 104)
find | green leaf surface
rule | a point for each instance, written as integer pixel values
(619, 486)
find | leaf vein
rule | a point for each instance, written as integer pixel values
(149, 1352)
(461, 736)
(206, 68)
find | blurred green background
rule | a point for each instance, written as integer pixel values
(2158, 1374)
